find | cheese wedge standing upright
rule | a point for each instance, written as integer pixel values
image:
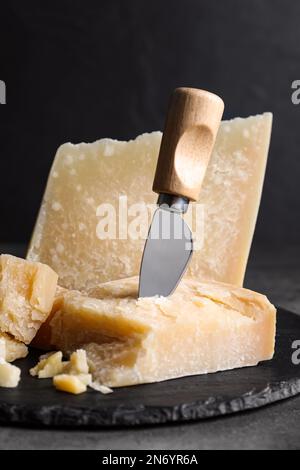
(201, 328)
(85, 234)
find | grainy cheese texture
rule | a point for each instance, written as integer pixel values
(86, 176)
(13, 349)
(27, 291)
(201, 328)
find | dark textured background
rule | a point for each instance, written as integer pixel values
(81, 70)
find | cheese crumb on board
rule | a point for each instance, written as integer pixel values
(13, 349)
(27, 292)
(110, 176)
(67, 375)
(9, 375)
(100, 388)
(69, 383)
(200, 328)
(78, 363)
(49, 366)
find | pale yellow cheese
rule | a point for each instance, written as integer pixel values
(69, 383)
(27, 291)
(86, 379)
(9, 375)
(12, 348)
(86, 177)
(65, 374)
(78, 363)
(49, 366)
(201, 328)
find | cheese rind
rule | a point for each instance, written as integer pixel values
(201, 328)
(86, 180)
(27, 292)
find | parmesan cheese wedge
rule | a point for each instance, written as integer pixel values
(99, 200)
(201, 328)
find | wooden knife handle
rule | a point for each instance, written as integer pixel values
(190, 131)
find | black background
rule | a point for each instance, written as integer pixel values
(82, 70)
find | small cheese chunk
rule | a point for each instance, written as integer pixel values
(13, 349)
(98, 204)
(78, 363)
(27, 292)
(49, 366)
(9, 375)
(69, 383)
(200, 328)
(101, 388)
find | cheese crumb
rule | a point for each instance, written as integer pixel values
(69, 383)
(49, 366)
(9, 375)
(101, 388)
(78, 362)
(71, 376)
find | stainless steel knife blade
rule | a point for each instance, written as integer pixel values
(167, 252)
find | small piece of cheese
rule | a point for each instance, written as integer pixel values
(69, 383)
(99, 200)
(200, 328)
(13, 349)
(9, 375)
(27, 292)
(52, 365)
(100, 388)
(49, 366)
(78, 363)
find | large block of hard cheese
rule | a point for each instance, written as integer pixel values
(201, 328)
(91, 184)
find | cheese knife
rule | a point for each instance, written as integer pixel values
(191, 126)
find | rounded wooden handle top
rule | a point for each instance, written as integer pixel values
(190, 131)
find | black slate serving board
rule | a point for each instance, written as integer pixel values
(36, 403)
